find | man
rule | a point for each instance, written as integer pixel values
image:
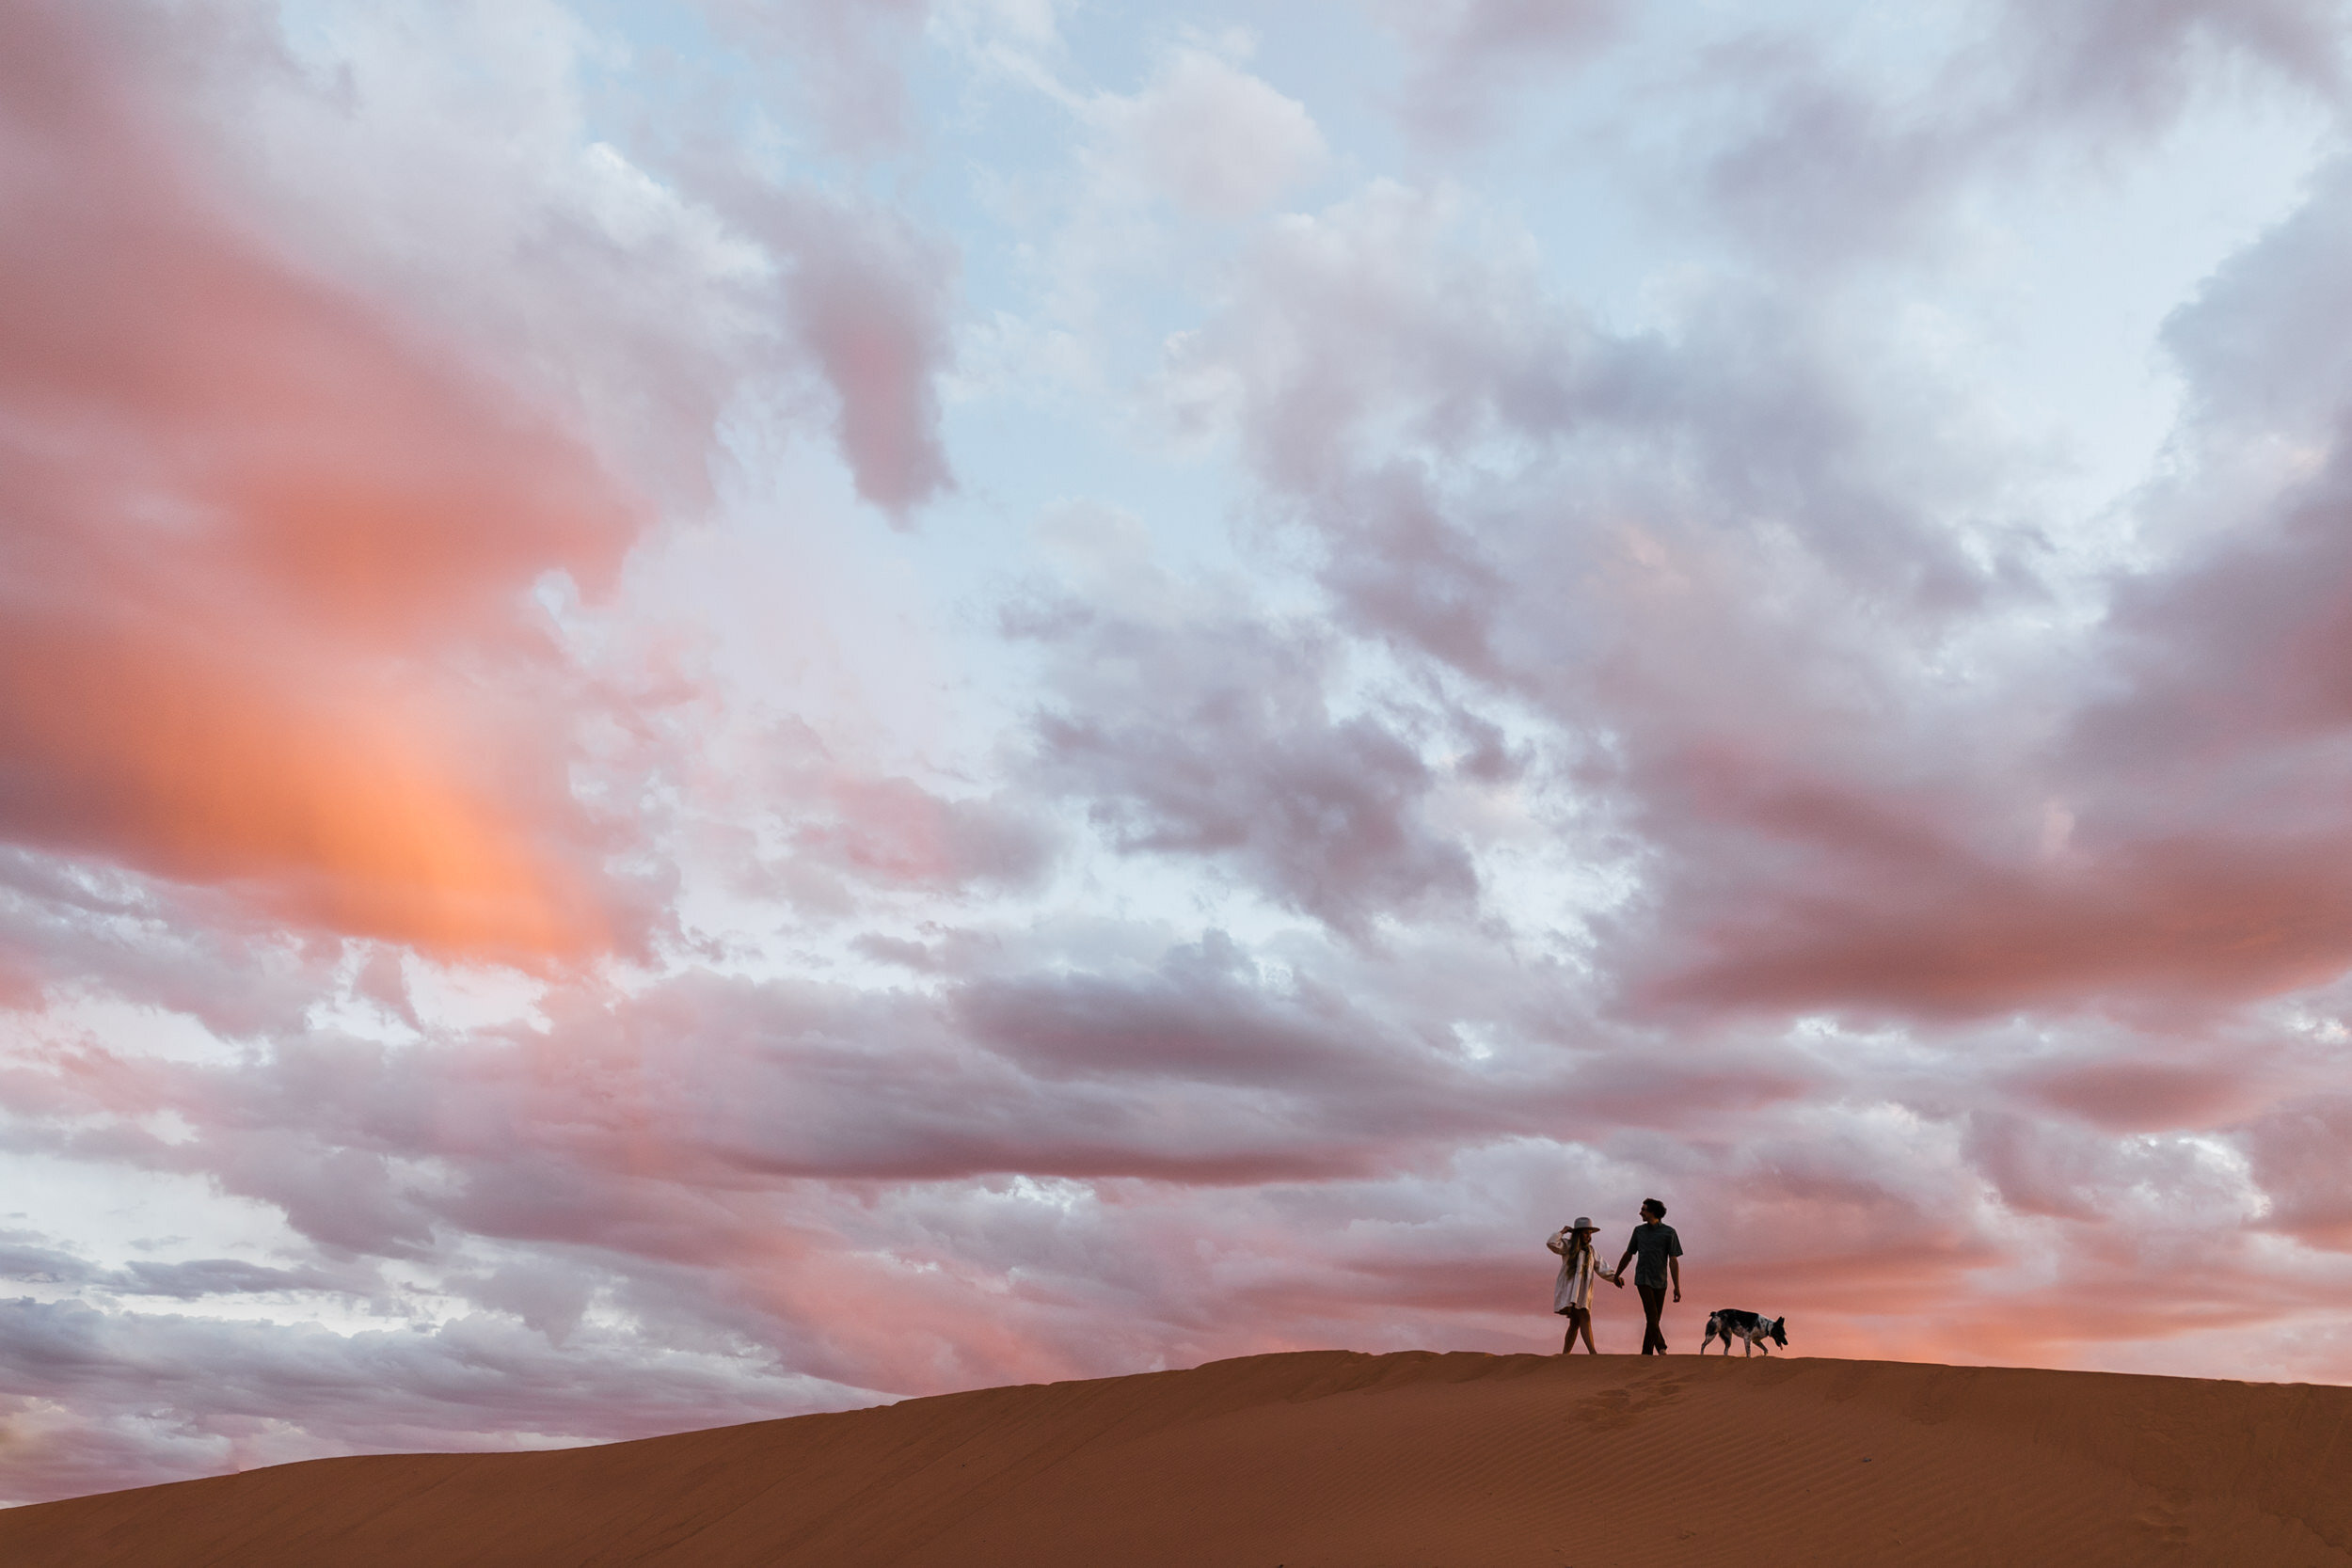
(1661, 1262)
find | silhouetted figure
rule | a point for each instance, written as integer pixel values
(1660, 1251)
(1572, 1294)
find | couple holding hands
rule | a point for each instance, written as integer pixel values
(1661, 1252)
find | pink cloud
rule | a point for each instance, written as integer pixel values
(868, 299)
(249, 499)
(2296, 1149)
(2131, 1096)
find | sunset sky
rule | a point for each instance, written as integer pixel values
(722, 708)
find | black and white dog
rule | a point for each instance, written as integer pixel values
(1729, 1324)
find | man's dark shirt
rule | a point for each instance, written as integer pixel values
(1655, 1243)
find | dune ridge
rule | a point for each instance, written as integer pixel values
(1331, 1459)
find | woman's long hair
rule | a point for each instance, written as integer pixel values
(1580, 1242)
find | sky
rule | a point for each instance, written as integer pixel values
(711, 709)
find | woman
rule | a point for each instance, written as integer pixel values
(1572, 1294)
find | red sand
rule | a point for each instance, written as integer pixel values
(1333, 1459)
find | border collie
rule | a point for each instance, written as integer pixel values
(1728, 1324)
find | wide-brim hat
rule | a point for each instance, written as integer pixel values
(1583, 1223)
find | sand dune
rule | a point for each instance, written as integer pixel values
(1325, 1459)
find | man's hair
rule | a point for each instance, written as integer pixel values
(1654, 1206)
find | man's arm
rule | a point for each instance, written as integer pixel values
(1674, 1267)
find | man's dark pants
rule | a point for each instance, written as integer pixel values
(1653, 1303)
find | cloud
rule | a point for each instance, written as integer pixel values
(2100, 57)
(276, 540)
(848, 294)
(2192, 760)
(1469, 54)
(1583, 521)
(846, 62)
(1218, 739)
(1040, 1174)
(870, 300)
(1587, 521)
(239, 497)
(1821, 166)
(895, 832)
(192, 1280)
(233, 1395)
(2296, 1152)
(1359, 329)
(1216, 140)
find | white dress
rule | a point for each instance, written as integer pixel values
(1574, 1288)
